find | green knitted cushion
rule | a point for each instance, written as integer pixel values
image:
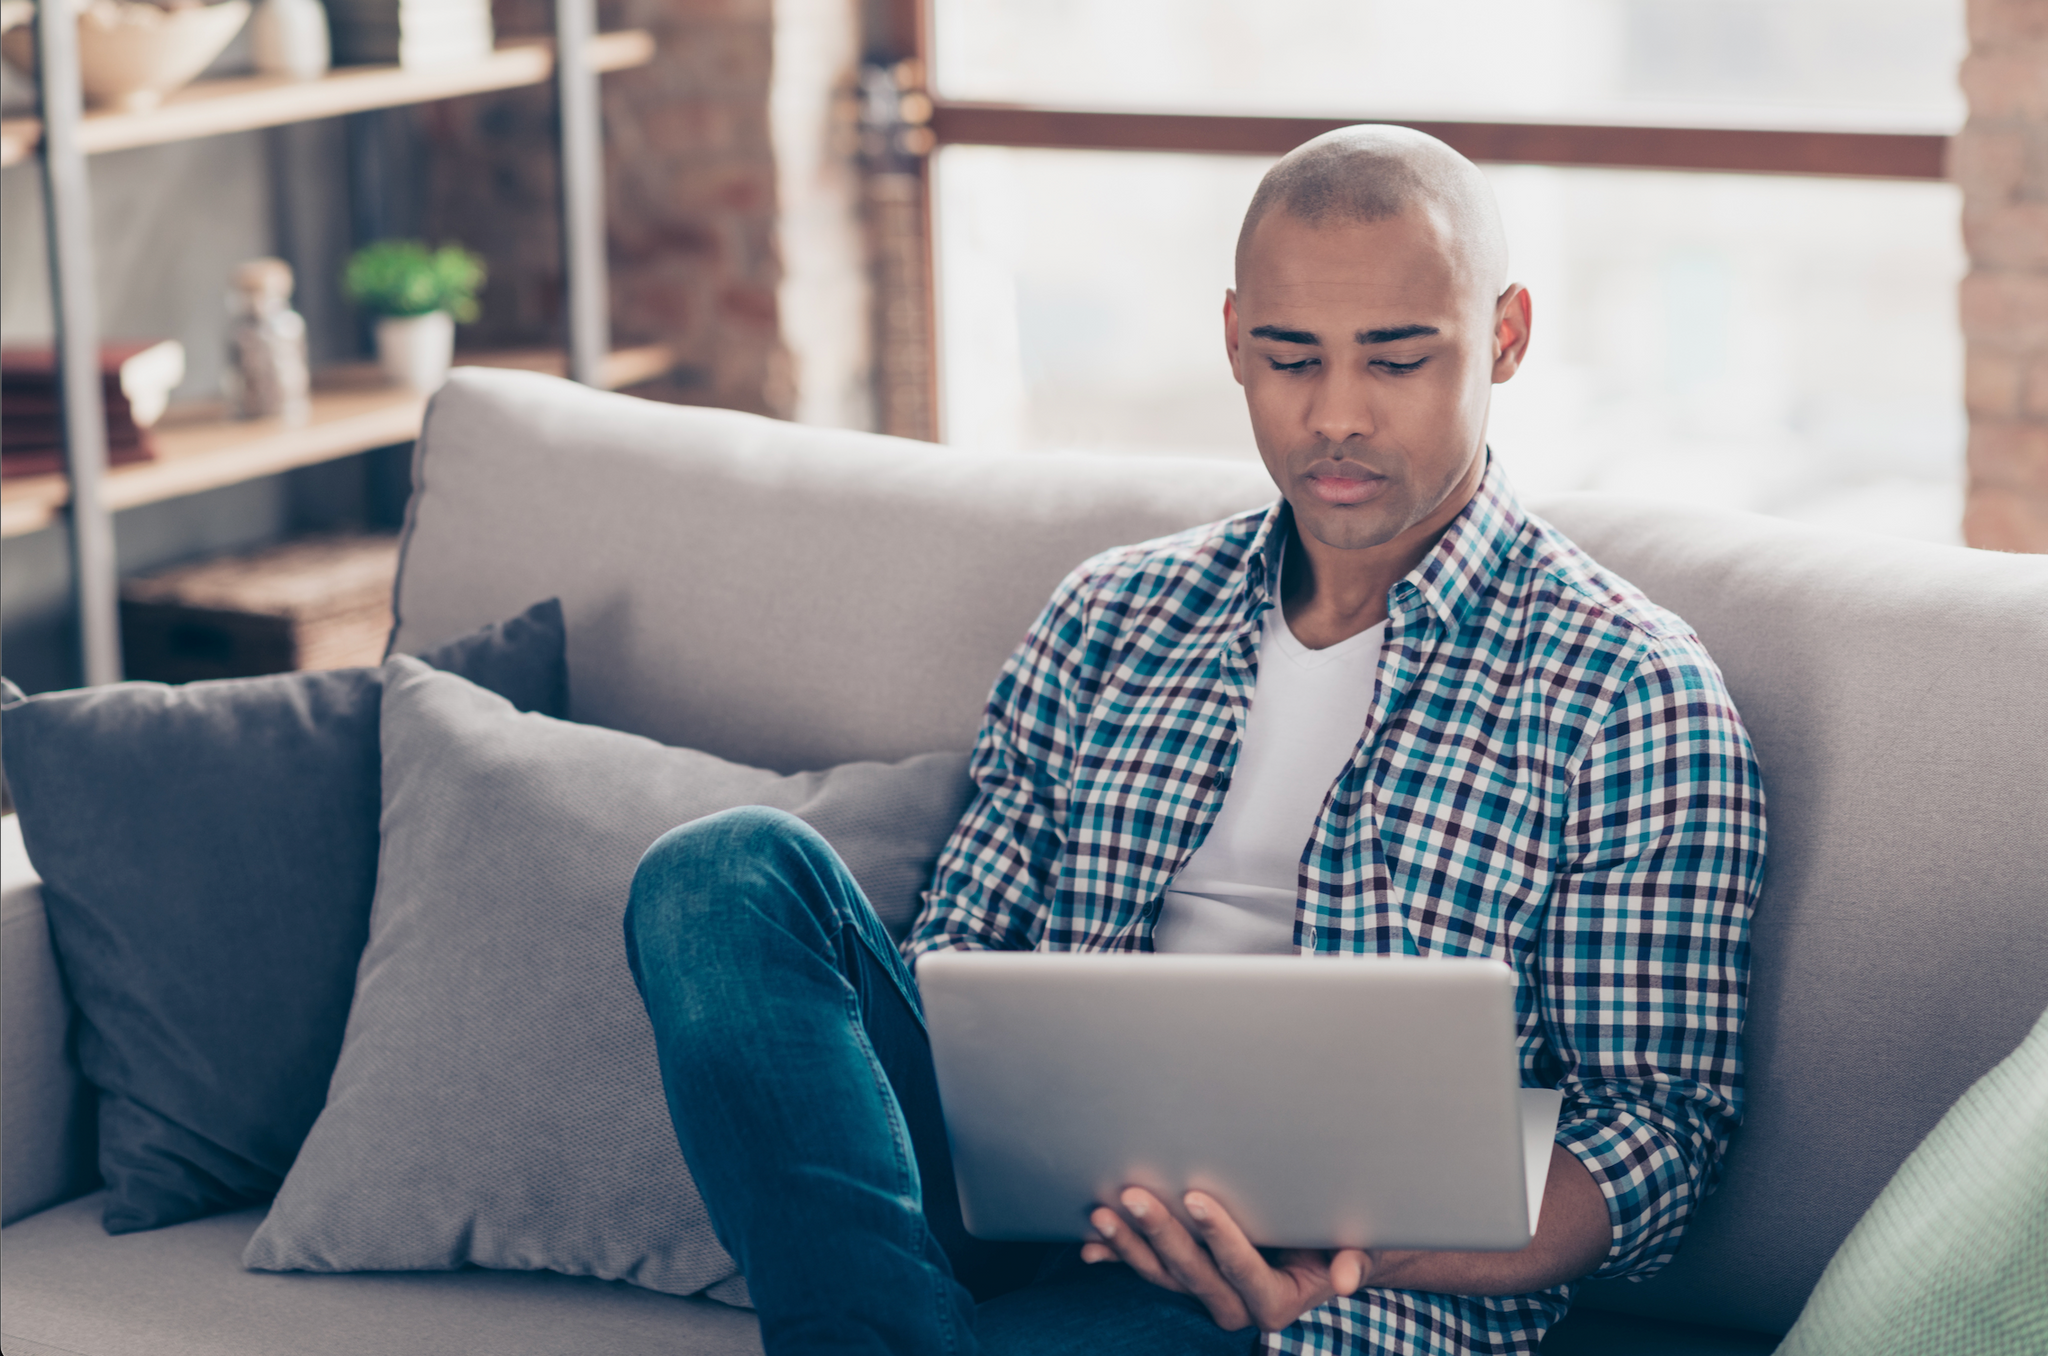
(1952, 1258)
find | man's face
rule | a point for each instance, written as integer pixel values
(1367, 352)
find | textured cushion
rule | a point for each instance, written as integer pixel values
(497, 1101)
(1901, 945)
(1953, 1258)
(67, 1289)
(783, 596)
(209, 854)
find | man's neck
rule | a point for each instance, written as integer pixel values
(1329, 594)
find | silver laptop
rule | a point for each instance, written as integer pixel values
(1326, 1102)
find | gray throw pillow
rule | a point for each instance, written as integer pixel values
(209, 855)
(497, 1101)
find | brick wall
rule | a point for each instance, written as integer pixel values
(2001, 162)
(691, 199)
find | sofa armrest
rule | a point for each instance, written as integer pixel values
(46, 1123)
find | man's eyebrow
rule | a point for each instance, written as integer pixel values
(1278, 335)
(1394, 335)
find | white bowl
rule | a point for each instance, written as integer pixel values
(130, 55)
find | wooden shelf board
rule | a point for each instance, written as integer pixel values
(198, 448)
(240, 103)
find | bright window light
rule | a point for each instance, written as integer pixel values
(1786, 345)
(1867, 65)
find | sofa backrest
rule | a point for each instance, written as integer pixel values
(1897, 695)
(795, 597)
(785, 596)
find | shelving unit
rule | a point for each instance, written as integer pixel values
(352, 411)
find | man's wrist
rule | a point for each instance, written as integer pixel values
(1458, 1273)
(1401, 1269)
(1572, 1241)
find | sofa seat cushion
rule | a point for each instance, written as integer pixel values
(69, 1289)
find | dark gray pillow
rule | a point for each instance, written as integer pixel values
(497, 1101)
(209, 856)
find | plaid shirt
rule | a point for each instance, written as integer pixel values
(1552, 774)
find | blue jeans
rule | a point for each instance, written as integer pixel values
(799, 1079)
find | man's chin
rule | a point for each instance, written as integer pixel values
(1349, 527)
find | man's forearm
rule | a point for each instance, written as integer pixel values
(1573, 1234)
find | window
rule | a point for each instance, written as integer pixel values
(1784, 343)
(1854, 65)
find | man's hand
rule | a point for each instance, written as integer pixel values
(1220, 1267)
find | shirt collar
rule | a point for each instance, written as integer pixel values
(1471, 553)
(1455, 573)
(1263, 556)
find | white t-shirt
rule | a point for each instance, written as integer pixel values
(1236, 894)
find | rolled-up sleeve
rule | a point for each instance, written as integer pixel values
(1646, 946)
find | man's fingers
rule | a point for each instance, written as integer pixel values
(1271, 1299)
(1187, 1260)
(1348, 1271)
(1275, 1294)
(1241, 1263)
(1131, 1249)
(1218, 1265)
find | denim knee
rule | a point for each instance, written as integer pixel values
(690, 875)
(742, 833)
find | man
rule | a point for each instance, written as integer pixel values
(1392, 714)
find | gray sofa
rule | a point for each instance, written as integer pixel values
(794, 597)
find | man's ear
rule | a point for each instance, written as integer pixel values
(1511, 319)
(1230, 349)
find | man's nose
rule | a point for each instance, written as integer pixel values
(1342, 405)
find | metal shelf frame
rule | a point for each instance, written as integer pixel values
(74, 303)
(74, 306)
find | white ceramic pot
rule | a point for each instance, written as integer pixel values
(289, 38)
(416, 350)
(130, 55)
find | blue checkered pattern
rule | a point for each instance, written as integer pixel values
(1552, 774)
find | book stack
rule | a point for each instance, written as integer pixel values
(412, 33)
(136, 381)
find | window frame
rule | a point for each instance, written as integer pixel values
(1730, 150)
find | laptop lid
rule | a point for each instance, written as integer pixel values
(1326, 1102)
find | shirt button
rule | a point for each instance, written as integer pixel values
(1308, 939)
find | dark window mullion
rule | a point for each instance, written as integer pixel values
(1878, 155)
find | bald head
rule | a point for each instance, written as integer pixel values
(1375, 172)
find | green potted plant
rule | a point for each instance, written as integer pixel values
(417, 294)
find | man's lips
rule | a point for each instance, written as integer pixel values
(1342, 484)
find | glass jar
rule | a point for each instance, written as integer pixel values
(266, 375)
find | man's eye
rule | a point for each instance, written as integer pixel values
(1296, 366)
(1399, 367)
